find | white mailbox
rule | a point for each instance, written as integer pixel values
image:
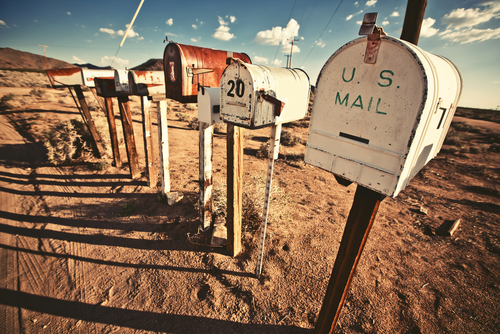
(381, 112)
(146, 83)
(254, 96)
(121, 81)
(64, 77)
(88, 75)
(209, 105)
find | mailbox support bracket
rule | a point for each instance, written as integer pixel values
(373, 37)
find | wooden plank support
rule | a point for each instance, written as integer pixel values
(148, 145)
(97, 143)
(206, 132)
(359, 223)
(110, 114)
(99, 99)
(163, 146)
(415, 10)
(128, 134)
(234, 188)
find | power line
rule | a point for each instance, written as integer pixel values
(279, 43)
(315, 42)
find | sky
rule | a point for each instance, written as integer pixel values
(467, 32)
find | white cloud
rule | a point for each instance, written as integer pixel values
(194, 26)
(356, 4)
(370, 3)
(394, 14)
(278, 35)
(195, 39)
(384, 23)
(171, 34)
(3, 24)
(472, 35)
(88, 40)
(359, 23)
(170, 21)
(78, 60)
(320, 43)
(113, 33)
(349, 17)
(118, 62)
(427, 30)
(467, 18)
(277, 62)
(261, 60)
(36, 21)
(140, 38)
(68, 13)
(232, 19)
(287, 47)
(222, 33)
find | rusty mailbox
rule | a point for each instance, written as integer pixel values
(64, 77)
(209, 105)
(381, 111)
(254, 96)
(88, 75)
(146, 83)
(186, 67)
(105, 87)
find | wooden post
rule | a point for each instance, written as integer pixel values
(234, 188)
(98, 148)
(163, 147)
(148, 145)
(361, 217)
(128, 134)
(205, 145)
(414, 16)
(110, 114)
(99, 99)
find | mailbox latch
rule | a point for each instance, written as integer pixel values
(373, 39)
(278, 105)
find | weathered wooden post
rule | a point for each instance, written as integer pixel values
(254, 97)
(379, 143)
(110, 114)
(128, 134)
(148, 145)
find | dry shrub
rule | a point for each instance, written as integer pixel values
(67, 142)
(194, 123)
(253, 203)
(182, 116)
(263, 151)
(288, 138)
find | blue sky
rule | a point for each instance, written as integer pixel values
(466, 32)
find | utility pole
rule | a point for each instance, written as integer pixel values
(287, 60)
(45, 53)
(291, 50)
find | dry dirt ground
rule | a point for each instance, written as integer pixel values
(86, 249)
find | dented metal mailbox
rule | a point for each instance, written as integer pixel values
(186, 67)
(64, 77)
(88, 75)
(146, 83)
(254, 96)
(209, 105)
(105, 87)
(382, 108)
(121, 81)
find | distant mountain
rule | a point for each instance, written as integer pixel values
(10, 58)
(150, 65)
(93, 67)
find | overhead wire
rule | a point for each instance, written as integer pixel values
(279, 43)
(316, 41)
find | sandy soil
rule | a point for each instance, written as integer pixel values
(86, 250)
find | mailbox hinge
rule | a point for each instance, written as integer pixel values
(373, 39)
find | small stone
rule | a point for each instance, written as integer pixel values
(423, 210)
(219, 236)
(174, 197)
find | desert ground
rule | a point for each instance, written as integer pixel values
(86, 249)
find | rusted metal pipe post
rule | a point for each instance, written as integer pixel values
(414, 16)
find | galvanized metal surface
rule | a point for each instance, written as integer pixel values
(146, 83)
(121, 81)
(88, 76)
(254, 96)
(209, 105)
(185, 67)
(379, 124)
(64, 77)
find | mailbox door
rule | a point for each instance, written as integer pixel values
(88, 75)
(186, 66)
(65, 77)
(105, 87)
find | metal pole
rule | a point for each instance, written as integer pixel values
(45, 53)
